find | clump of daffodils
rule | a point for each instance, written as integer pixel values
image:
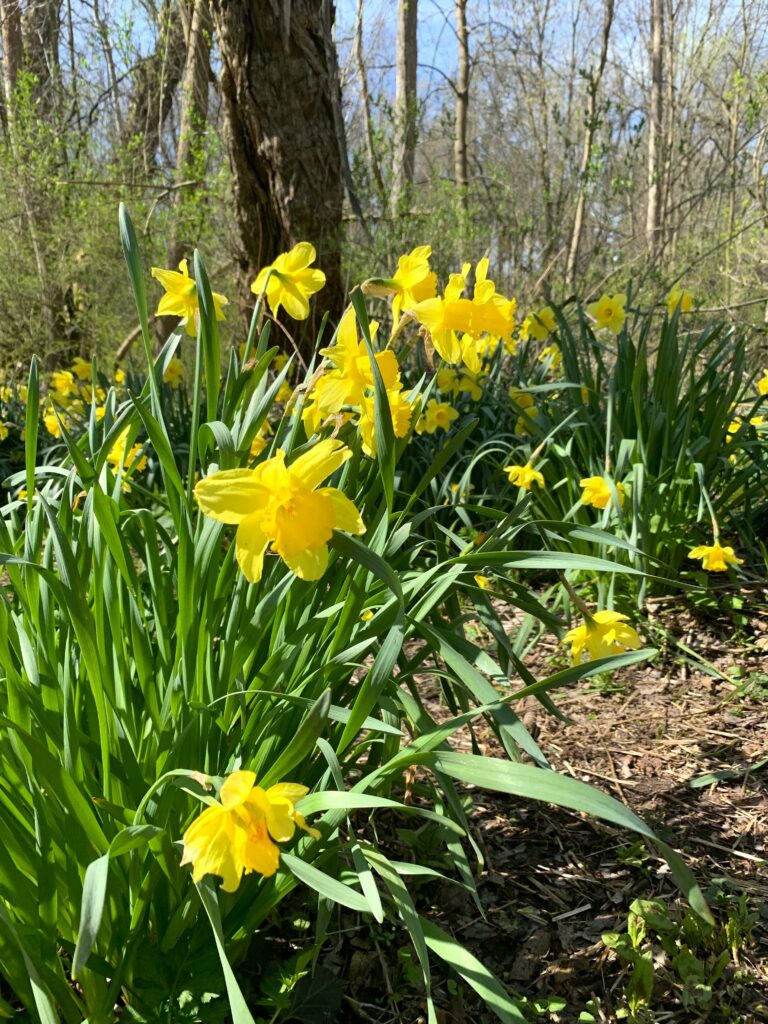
(346, 388)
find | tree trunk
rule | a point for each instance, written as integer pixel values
(655, 127)
(277, 90)
(365, 104)
(40, 27)
(405, 100)
(155, 81)
(194, 114)
(460, 160)
(591, 122)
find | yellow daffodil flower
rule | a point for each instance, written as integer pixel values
(413, 282)
(239, 835)
(117, 452)
(448, 380)
(6, 393)
(715, 558)
(51, 423)
(3, 431)
(679, 297)
(597, 492)
(63, 383)
(292, 282)
(174, 373)
(482, 581)
(180, 297)
(82, 368)
(367, 615)
(400, 409)
(607, 633)
(120, 376)
(553, 356)
(525, 422)
(470, 383)
(522, 399)
(279, 362)
(609, 312)
(352, 377)
(283, 506)
(437, 416)
(524, 476)
(259, 443)
(762, 384)
(539, 325)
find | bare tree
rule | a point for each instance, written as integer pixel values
(591, 123)
(405, 99)
(655, 128)
(460, 158)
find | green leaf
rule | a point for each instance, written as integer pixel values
(474, 972)
(325, 885)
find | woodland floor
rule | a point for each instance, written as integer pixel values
(555, 881)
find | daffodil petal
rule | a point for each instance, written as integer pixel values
(236, 787)
(324, 458)
(230, 495)
(346, 515)
(309, 564)
(251, 543)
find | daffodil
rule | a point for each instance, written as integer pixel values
(553, 356)
(609, 312)
(762, 384)
(597, 492)
(525, 421)
(679, 298)
(413, 282)
(51, 422)
(63, 383)
(606, 633)
(448, 380)
(352, 376)
(120, 376)
(715, 558)
(129, 458)
(180, 297)
(522, 399)
(239, 835)
(174, 373)
(436, 416)
(292, 281)
(524, 476)
(3, 431)
(259, 443)
(282, 506)
(82, 368)
(482, 581)
(538, 325)
(400, 410)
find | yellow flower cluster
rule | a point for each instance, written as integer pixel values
(347, 390)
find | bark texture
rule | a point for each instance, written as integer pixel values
(277, 89)
(460, 155)
(405, 98)
(655, 126)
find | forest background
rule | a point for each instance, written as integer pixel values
(578, 145)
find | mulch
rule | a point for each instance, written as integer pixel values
(554, 882)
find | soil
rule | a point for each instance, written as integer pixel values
(554, 882)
